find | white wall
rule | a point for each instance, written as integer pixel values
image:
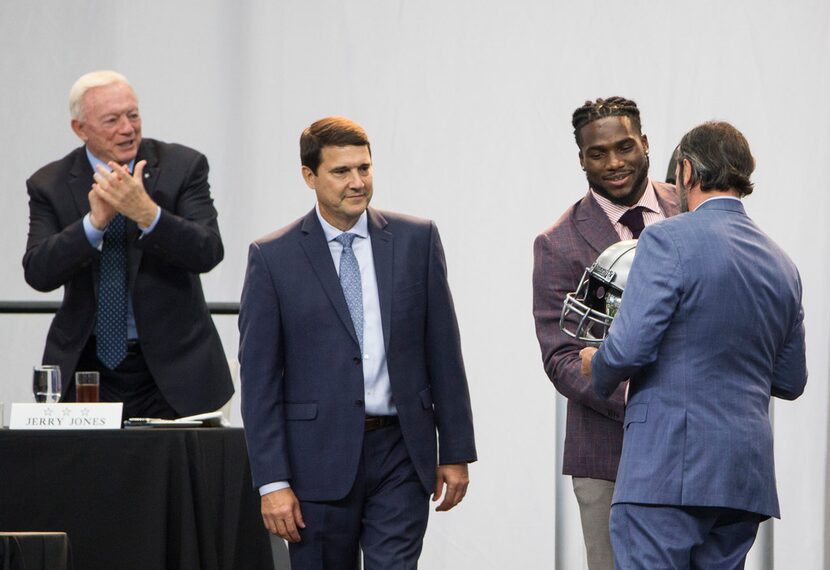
(468, 107)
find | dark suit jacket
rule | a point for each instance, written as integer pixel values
(593, 438)
(178, 339)
(711, 325)
(302, 376)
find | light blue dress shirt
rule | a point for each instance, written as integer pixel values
(96, 238)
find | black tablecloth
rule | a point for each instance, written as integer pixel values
(160, 499)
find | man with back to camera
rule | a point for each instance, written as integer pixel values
(710, 328)
(350, 361)
(126, 225)
(621, 200)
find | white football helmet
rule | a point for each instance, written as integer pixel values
(588, 311)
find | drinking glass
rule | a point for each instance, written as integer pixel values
(86, 386)
(46, 384)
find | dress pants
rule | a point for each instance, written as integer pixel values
(665, 537)
(131, 383)
(385, 514)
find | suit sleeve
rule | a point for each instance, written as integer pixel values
(448, 380)
(187, 233)
(261, 367)
(789, 375)
(553, 279)
(651, 296)
(53, 254)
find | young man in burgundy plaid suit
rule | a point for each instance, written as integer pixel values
(613, 153)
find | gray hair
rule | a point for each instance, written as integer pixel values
(88, 81)
(720, 157)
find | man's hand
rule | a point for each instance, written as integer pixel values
(281, 514)
(457, 479)
(587, 354)
(125, 193)
(100, 212)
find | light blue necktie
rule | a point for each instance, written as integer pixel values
(111, 325)
(350, 282)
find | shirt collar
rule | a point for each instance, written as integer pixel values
(360, 229)
(717, 198)
(94, 161)
(648, 201)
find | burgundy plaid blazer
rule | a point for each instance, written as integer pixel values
(593, 438)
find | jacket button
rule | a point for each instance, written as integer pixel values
(358, 402)
(357, 360)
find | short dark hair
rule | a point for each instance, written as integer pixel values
(330, 131)
(601, 108)
(720, 157)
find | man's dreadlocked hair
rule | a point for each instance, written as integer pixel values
(601, 108)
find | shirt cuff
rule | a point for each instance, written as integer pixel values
(151, 227)
(93, 234)
(271, 487)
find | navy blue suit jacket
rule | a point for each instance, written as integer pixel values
(710, 327)
(301, 370)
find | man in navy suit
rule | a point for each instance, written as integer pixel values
(350, 362)
(711, 326)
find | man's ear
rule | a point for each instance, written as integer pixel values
(309, 177)
(581, 160)
(686, 172)
(78, 127)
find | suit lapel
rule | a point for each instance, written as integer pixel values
(593, 224)
(80, 181)
(134, 254)
(382, 253)
(313, 242)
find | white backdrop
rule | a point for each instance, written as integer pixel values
(468, 107)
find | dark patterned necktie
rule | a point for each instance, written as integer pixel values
(633, 220)
(351, 284)
(111, 325)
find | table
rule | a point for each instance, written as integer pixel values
(161, 499)
(35, 551)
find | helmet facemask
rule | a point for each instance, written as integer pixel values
(588, 312)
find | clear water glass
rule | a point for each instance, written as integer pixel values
(46, 384)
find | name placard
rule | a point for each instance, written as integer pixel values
(66, 416)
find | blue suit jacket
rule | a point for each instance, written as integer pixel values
(710, 327)
(301, 371)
